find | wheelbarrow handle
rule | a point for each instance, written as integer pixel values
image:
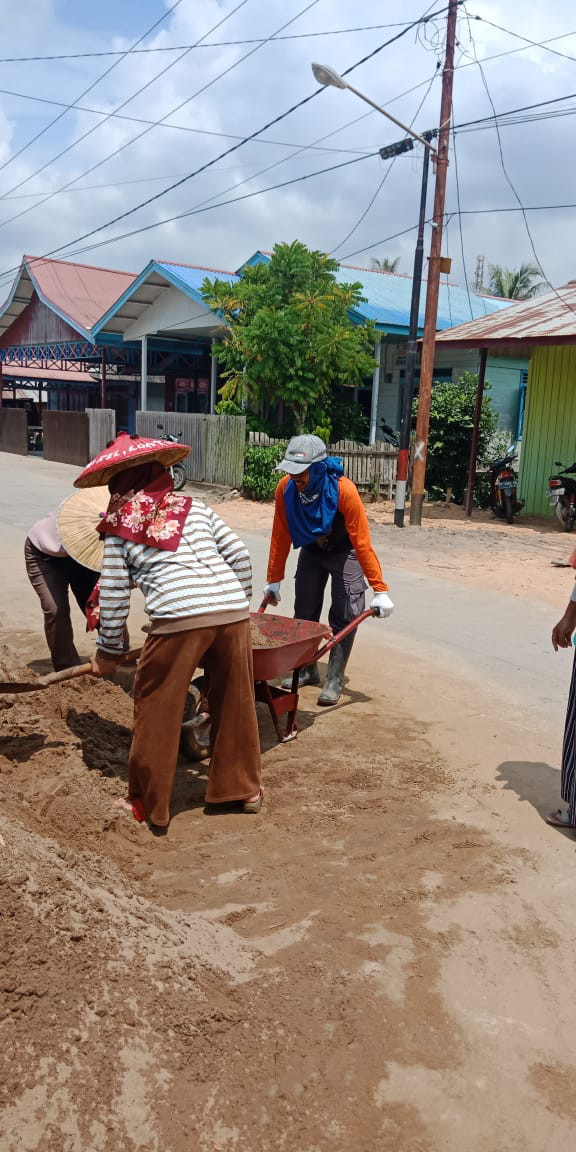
(268, 599)
(351, 627)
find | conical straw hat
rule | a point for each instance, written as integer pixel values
(78, 518)
(129, 452)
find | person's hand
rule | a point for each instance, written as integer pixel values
(562, 633)
(104, 663)
(382, 605)
(272, 593)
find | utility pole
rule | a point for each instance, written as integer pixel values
(412, 346)
(434, 269)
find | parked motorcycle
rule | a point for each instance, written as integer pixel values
(389, 436)
(177, 471)
(562, 493)
(504, 487)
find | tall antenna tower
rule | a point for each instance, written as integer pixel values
(479, 274)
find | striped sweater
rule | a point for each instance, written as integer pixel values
(208, 575)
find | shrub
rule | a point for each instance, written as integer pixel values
(260, 477)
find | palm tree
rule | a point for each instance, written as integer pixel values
(515, 283)
(385, 265)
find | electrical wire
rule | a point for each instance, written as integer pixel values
(459, 214)
(124, 103)
(229, 135)
(508, 178)
(213, 44)
(529, 43)
(127, 144)
(94, 83)
(233, 148)
(382, 182)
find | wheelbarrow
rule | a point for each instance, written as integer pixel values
(297, 644)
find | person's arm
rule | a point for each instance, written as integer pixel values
(358, 529)
(114, 605)
(562, 631)
(281, 540)
(234, 552)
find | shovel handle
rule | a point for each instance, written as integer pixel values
(82, 670)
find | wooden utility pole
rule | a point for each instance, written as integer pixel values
(434, 269)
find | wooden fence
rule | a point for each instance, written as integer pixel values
(217, 444)
(66, 437)
(372, 467)
(14, 431)
(101, 429)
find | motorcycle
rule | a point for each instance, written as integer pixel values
(389, 436)
(177, 471)
(504, 487)
(562, 493)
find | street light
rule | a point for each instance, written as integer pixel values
(328, 76)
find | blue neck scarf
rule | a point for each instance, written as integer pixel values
(311, 513)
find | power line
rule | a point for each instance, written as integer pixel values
(213, 44)
(230, 135)
(457, 177)
(108, 116)
(90, 87)
(235, 147)
(508, 178)
(139, 136)
(529, 43)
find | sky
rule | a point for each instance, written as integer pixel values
(60, 194)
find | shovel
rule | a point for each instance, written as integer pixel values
(8, 687)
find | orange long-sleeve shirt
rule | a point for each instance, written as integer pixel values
(357, 527)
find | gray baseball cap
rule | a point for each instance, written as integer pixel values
(301, 452)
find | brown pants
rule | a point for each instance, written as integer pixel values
(51, 578)
(165, 670)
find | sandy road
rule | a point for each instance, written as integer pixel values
(383, 960)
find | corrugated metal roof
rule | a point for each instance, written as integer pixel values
(74, 376)
(192, 276)
(547, 319)
(388, 299)
(79, 293)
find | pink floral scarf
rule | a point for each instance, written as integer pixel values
(145, 509)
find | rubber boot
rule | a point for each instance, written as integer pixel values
(332, 689)
(308, 675)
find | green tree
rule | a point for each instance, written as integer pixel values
(515, 283)
(450, 434)
(289, 336)
(385, 264)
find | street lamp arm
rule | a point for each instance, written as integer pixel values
(329, 77)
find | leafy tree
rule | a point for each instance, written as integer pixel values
(289, 336)
(515, 283)
(450, 434)
(384, 264)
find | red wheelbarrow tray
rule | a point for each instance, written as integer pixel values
(296, 644)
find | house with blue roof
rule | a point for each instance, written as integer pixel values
(150, 346)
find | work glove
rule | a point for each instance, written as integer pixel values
(273, 591)
(382, 605)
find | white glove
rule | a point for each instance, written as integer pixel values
(273, 591)
(382, 605)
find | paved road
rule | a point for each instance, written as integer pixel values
(483, 636)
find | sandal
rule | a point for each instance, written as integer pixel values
(252, 807)
(134, 807)
(560, 818)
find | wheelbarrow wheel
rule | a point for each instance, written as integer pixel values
(195, 732)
